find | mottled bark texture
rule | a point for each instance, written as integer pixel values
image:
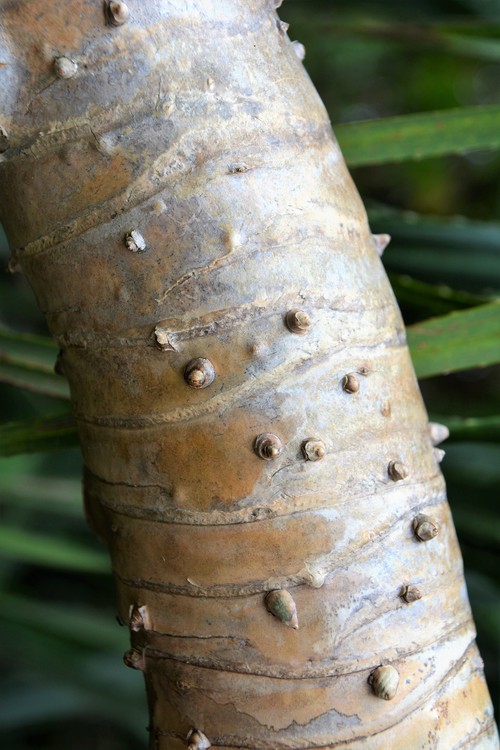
(171, 189)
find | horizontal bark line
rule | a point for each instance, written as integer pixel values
(487, 727)
(179, 516)
(238, 743)
(106, 212)
(142, 328)
(229, 397)
(227, 321)
(305, 673)
(99, 50)
(474, 736)
(281, 582)
(435, 588)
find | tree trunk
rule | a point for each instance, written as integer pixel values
(257, 452)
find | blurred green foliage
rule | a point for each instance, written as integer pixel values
(64, 684)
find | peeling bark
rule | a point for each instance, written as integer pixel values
(172, 190)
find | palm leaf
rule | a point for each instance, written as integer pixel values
(419, 136)
(458, 341)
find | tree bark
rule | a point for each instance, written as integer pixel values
(249, 418)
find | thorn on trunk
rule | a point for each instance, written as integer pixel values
(64, 67)
(425, 527)
(299, 50)
(239, 167)
(135, 242)
(410, 594)
(13, 266)
(138, 618)
(197, 740)
(280, 603)
(384, 682)
(397, 471)
(439, 454)
(199, 373)
(350, 383)
(313, 449)
(164, 340)
(134, 659)
(438, 432)
(116, 12)
(268, 446)
(298, 321)
(381, 241)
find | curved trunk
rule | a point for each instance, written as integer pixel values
(249, 417)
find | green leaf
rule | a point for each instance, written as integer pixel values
(74, 624)
(433, 299)
(470, 46)
(39, 350)
(25, 489)
(420, 136)
(27, 361)
(26, 547)
(32, 435)
(459, 252)
(463, 40)
(458, 341)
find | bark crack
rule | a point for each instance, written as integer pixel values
(328, 563)
(180, 516)
(306, 673)
(236, 742)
